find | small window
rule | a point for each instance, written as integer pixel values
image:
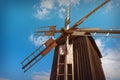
(60, 77)
(61, 69)
(69, 68)
(69, 77)
(62, 58)
(69, 71)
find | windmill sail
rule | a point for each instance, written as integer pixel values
(38, 54)
(90, 13)
(27, 63)
(47, 32)
(82, 32)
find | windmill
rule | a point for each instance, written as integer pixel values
(76, 56)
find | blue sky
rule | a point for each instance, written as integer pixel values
(19, 19)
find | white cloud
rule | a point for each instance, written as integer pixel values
(111, 64)
(38, 40)
(43, 11)
(4, 79)
(41, 75)
(48, 7)
(48, 4)
(68, 2)
(42, 14)
(61, 12)
(110, 61)
(88, 1)
(108, 7)
(111, 6)
(100, 44)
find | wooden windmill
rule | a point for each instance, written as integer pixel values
(76, 55)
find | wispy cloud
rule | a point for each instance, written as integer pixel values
(41, 75)
(4, 79)
(61, 12)
(57, 7)
(48, 7)
(38, 40)
(48, 4)
(111, 6)
(108, 7)
(68, 2)
(110, 61)
(89, 1)
(100, 44)
(111, 64)
(42, 14)
(43, 10)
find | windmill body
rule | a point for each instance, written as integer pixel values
(76, 55)
(83, 62)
